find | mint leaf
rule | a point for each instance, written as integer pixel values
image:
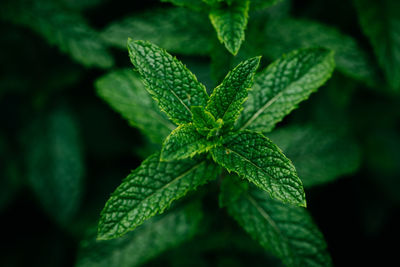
(286, 35)
(167, 28)
(283, 85)
(226, 100)
(65, 29)
(230, 22)
(185, 141)
(286, 231)
(312, 148)
(157, 235)
(168, 81)
(205, 122)
(55, 168)
(125, 93)
(254, 157)
(380, 21)
(149, 190)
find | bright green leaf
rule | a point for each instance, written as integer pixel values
(227, 99)
(55, 167)
(149, 190)
(286, 35)
(169, 82)
(254, 157)
(184, 142)
(167, 28)
(205, 122)
(230, 23)
(320, 155)
(125, 92)
(286, 231)
(380, 21)
(283, 85)
(146, 242)
(65, 29)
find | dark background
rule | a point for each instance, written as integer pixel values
(359, 215)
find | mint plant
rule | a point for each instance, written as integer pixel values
(221, 135)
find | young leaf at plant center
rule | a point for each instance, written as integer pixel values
(66, 29)
(312, 148)
(286, 231)
(174, 87)
(283, 85)
(230, 22)
(149, 190)
(380, 21)
(157, 235)
(125, 93)
(55, 167)
(254, 157)
(178, 30)
(205, 122)
(184, 142)
(286, 35)
(227, 99)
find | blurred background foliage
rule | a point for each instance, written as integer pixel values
(64, 149)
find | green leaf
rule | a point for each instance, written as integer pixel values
(380, 21)
(126, 94)
(254, 157)
(227, 99)
(286, 35)
(197, 5)
(259, 4)
(148, 241)
(65, 29)
(205, 122)
(283, 85)
(167, 28)
(320, 155)
(55, 167)
(174, 87)
(230, 23)
(149, 190)
(286, 231)
(184, 142)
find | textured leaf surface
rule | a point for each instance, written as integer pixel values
(149, 190)
(146, 242)
(65, 29)
(167, 28)
(168, 81)
(286, 231)
(184, 142)
(289, 34)
(380, 21)
(283, 85)
(254, 157)
(205, 122)
(126, 94)
(320, 155)
(55, 168)
(230, 23)
(227, 99)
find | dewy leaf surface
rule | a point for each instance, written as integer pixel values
(157, 235)
(65, 29)
(254, 157)
(320, 155)
(289, 34)
(286, 231)
(283, 85)
(230, 22)
(380, 21)
(178, 30)
(149, 190)
(227, 99)
(169, 82)
(126, 94)
(184, 142)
